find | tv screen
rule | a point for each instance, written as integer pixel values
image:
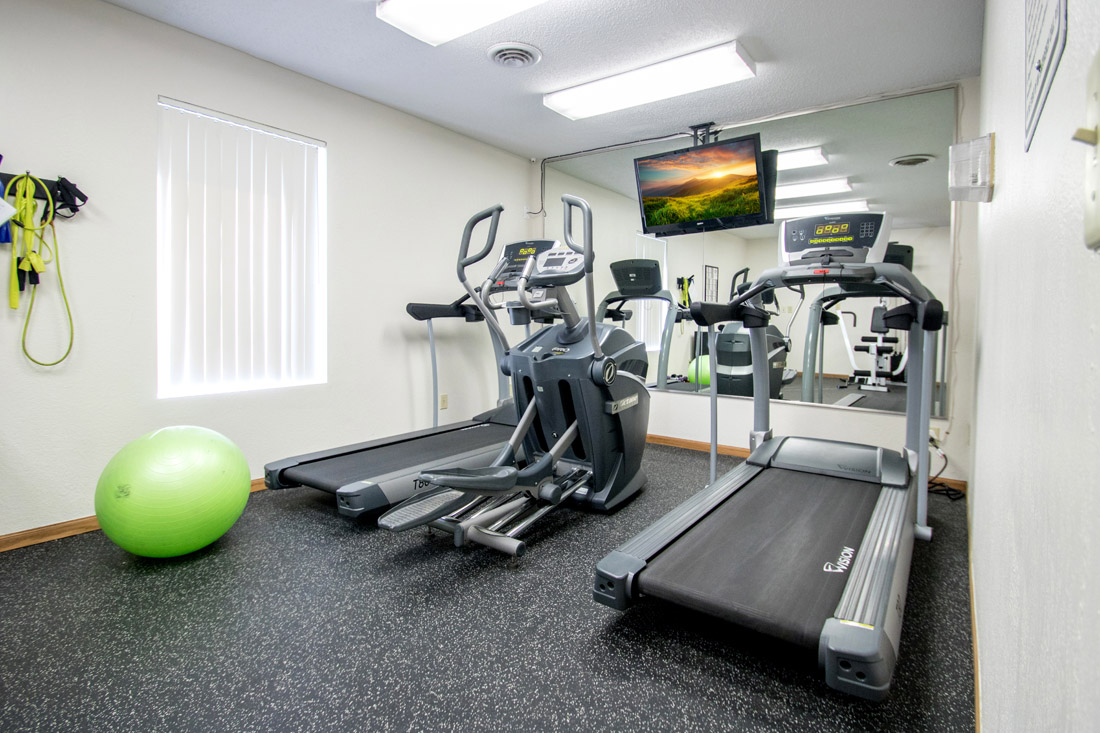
(715, 186)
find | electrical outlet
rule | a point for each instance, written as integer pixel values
(935, 433)
(442, 402)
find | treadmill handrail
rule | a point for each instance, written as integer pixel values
(428, 311)
(859, 278)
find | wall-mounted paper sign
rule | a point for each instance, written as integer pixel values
(1044, 39)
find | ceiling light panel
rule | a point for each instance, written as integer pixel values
(801, 158)
(839, 207)
(812, 188)
(438, 21)
(694, 72)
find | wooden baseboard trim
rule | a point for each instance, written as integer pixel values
(50, 532)
(725, 450)
(953, 483)
(35, 536)
(974, 639)
(729, 450)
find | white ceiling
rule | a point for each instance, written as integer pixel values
(809, 54)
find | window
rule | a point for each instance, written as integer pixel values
(651, 313)
(241, 255)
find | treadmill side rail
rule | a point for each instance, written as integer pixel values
(396, 486)
(615, 580)
(359, 497)
(860, 644)
(273, 471)
(859, 660)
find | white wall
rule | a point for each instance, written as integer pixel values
(400, 191)
(1034, 501)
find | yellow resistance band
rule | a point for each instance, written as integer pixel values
(25, 209)
(23, 219)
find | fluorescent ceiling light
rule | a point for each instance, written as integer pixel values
(803, 158)
(694, 72)
(839, 207)
(813, 188)
(438, 21)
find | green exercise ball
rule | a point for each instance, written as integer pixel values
(172, 491)
(704, 371)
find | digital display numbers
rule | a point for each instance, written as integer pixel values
(519, 255)
(831, 229)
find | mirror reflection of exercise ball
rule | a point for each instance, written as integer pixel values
(704, 371)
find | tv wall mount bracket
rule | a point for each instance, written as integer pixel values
(703, 133)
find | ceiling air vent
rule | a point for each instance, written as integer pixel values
(515, 55)
(908, 161)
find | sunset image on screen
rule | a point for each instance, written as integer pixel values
(706, 183)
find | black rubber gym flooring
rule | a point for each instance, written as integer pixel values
(298, 620)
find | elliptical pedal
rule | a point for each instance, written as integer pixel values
(423, 508)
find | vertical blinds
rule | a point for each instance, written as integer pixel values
(241, 255)
(651, 313)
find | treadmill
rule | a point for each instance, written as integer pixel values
(808, 540)
(365, 477)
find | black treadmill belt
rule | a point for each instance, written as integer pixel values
(332, 473)
(760, 559)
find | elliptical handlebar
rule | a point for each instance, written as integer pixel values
(586, 215)
(464, 258)
(589, 258)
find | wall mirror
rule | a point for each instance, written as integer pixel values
(893, 154)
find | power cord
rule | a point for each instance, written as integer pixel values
(938, 487)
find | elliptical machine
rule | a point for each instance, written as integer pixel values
(581, 423)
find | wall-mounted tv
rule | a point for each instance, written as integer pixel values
(719, 185)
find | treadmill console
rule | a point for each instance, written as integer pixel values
(840, 238)
(637, 277)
